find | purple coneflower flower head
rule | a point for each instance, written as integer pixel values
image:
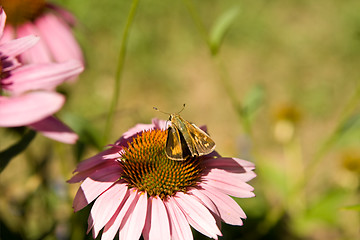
(137, 190)
(48, 21)
(26, 91)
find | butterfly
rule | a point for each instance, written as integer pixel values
(185, 139)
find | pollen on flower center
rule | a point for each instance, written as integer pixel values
(20, 11)
(147, 168)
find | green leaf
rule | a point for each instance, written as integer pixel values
(12, 151)
(220, 28)
(326, 207)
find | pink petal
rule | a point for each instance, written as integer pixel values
(15, 47)
(243, 177)
(28, 108)
(55, 129)
(113, 226)
(8, 34)
(197, 214)
(106, 205)
(84, 174)
(160, 124)
(2, 21)
(233, 165)
(93, 186)
(42, 76)
(156, 124)
(59, 38)
(228, 184)
(132, 225)
(230, 211)
(138, 129)
(229, 188)
(205, 200)
(96, 160)
(126, 138)
(180, 228)
(157, 221)
(38, 53)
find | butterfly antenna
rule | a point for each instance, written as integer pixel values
(157, 109)
(182, 108)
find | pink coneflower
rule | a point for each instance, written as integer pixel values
(26, 96)
(48, 21)
(137, 190)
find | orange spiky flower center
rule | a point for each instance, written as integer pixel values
(147, 168)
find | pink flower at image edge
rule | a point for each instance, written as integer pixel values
(29, 98)
(131, 212)
(57, 42)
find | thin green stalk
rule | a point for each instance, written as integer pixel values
(349, 109)
(225, 80)
(119, 71)
(197, 20)
(224, 76)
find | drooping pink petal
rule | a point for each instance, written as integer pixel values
(228, 184)
(179, 226)
(38, 53)
(197, 215)
(59, 38)
(2, 21)
(42, 76)
(230, 211)
(233, 165)
(112, 227)
(82, 175)
(29, 108)
(93, 186)
(17, 46)
(244, 177)
(230, 188)
(105, 206)
(55, 129)
(98, 159)
(157, 221)
(205, 200)
(134, 221)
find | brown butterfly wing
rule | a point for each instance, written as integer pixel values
(201, 140)
(176, 147)
(183, 129)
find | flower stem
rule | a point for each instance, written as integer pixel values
(325, 147)
(197, 20)
(224, 75)
(119, 71)
(348, 110)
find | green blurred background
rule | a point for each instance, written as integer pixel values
(282, 91)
